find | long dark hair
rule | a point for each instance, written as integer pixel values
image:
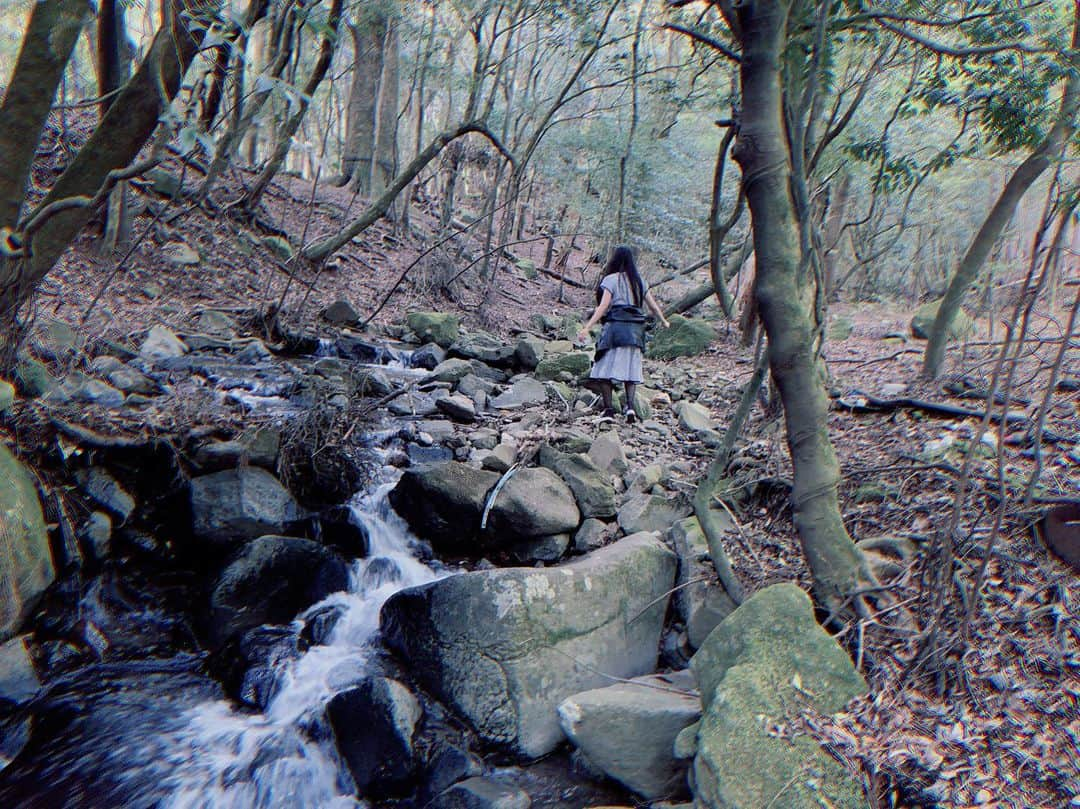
(622, 260)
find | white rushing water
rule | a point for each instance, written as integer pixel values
(285, 756)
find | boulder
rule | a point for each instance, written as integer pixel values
(371, 382)
(500, 459)
(607, 453)
(161, 344)
(216, 323)
(650, 512)
(279, 246)
(427, 356)
(129, 380)
(443, 503)
(923, 320)
(481, 793)
(27, 567)
(56, 340)
(483, 347)
(272, 580)
(352, 347)
(592, 534)
(103, 489)
(592, 488)
(163, 182)
(700, 603)
(452, 370)
(540, 549)
(78, 387)
(524, 391)
(413, 404)
(374, 725)
(341, 313)
(474, 386)
(686, 337)
(435, 327)
(236, 505)
(180, 254)
(575, 363)
(756, 670)
(18, 678)
(447, 766)
(533, 502)
(7, 396)
(484, 438)
(628, 730)
(694, 416)
(529, 352)
(96, 534)
(504, 647)
(457, 407)
(32, 378)
(840, 327)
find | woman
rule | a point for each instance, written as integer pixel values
(619, 297)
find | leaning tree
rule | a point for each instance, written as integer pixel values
(34, 236)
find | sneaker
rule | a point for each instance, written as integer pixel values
(630, 415)
(608, 414)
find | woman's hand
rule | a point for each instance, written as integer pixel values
(582, 336)
(664, 322)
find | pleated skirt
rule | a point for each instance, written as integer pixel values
(621, 364)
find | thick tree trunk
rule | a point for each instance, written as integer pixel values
(1000, 215)
(47, 44)
(365, 131)
(384, 160)
(762, 150)
(113, 145)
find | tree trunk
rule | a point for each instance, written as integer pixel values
(113, 145)
(113, 68)
(837, 566)
(1021, 180)
(281, 45)
(281, 150)
(369, 35)
(47, 44)
(384, 159)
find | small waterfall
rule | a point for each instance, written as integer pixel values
(327, 348)
(226, 759)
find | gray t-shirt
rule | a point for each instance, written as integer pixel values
(619, 287)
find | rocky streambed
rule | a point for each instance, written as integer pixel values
(435, 581)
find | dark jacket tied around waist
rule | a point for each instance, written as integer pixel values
(623, 326)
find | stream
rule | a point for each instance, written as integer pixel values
(224, 759)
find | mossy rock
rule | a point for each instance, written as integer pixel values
(279, 246)
(527, 267)
(24, 545)
(7, 395)
(758, 669)
(576, 363)
(686, 337)
(841, 327)
(32, 378)
(434, 327)
(923, 322)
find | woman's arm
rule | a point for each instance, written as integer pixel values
(650, 301)
(599, 312)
